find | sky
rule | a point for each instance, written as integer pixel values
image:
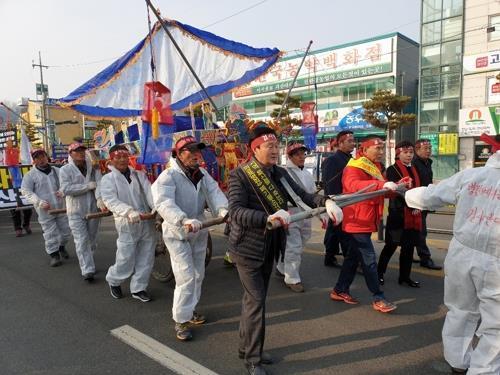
(77, 39)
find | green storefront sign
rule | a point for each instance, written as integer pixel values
(323, 78)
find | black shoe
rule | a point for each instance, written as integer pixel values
(381, 280)
(116, 291)
(55, 259)
(183, 332)
(458, 371)
(255, 369)
(410, 283)
(429, 263)
(331, 261)
(142, 296)
(416, 260)
(63, 252)
(89, 277)
(265, 357)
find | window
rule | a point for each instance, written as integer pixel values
(451, 52)
(452, 8)
(430, 55)
(354, 92)
(260, 106)
(449, 111)
(431, 10)
(430, 87)
(429, 112)
(431, 33)
(450, 85)
(494, 21)
(452, 28)
(345, 94)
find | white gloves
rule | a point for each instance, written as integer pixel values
(59, 194)
(193, 224)
(389, 185)
(324, 220)
(101, 205)
(134, 217)
(44, 204)
(282, 216)
(415, 198)
(334, 212)
(222, 212)
(91, 185)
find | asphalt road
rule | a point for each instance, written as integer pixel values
(52, 322)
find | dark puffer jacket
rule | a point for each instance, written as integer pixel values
(248, 216)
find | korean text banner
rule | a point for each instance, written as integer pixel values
(9, 192)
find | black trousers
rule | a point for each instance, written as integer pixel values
(254, 276)
(405, 259)
(335, 240)
(21, 219)
(422, 249)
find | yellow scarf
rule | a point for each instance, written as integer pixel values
(366, 165)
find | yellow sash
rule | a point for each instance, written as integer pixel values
(265, 186)
(366, 165)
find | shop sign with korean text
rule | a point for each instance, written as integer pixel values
(337, 64)
(9, 195)
(478, 120)
(482, 62)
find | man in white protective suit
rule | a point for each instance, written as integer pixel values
(80, 183)
(472, 265)
(41, 188)
(299, 232)
(127, 193)
(180, 195)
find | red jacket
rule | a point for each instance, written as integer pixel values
(362, 217)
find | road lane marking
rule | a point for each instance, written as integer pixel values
(158, 352)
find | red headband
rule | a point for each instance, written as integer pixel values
(422, 143)
(372, 142)
(262, 139)
(401, 149)
(114, 154)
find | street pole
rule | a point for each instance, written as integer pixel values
(44, 98)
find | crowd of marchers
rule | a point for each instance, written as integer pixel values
(261, 193)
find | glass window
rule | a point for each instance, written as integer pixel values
(431, 33)
(430, 71)
(345, 94)
(430, 87)
(430, 55)
(260, 106)
(452, 8)
(452, 28)
(449, 111)
(450, 85)
(429, 112)
(494, 21)
(354, 93)
(431, 10)
(451, 52)
(370, 89)
(450, 69)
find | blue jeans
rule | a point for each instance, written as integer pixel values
(360, 251)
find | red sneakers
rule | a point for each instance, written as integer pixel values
(384, 306)
(344, 297)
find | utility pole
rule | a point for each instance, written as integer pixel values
(44, 98)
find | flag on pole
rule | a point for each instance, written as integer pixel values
(25, 148)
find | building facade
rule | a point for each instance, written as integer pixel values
(339, 79)
(459, 93)
(480, 110)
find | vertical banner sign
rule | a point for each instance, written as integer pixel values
(448, 144)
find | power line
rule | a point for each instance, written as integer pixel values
(235, 14)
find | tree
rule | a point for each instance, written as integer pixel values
(286, 121)
(385, 111)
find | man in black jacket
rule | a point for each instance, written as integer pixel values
(260, 191)
(423, 163)
(333, 167)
